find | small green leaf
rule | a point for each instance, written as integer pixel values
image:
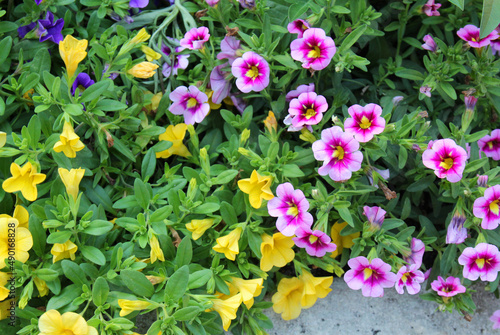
(186, 313)
(177, 284)
(73, 272)
(95, 91)
(184, 252)
(93, 254)
(100, 291)
(137, 283)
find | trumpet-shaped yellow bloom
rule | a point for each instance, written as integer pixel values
(151, 55)
(155, 101)
(129, 306)
(156, 252)
(21, 215)
(199, 227)
(72, 52)
(341, 241)
(270, 123)
(5, 308)
(276, 251)
(213, 105)
(25, 180)
(53, 323)
(143, 70)
(3, 139)
(41, 286)
(248, 288)
(142, 36)
(227, 309)
(228, 245)
(63, 250)
(314, 288)
(23, 241)
(4, 291)
(257, 187)
(71, 180)
(174, 134)
(286, 301)
(69, 142)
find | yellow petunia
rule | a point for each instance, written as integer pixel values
(156, 252)
(257, 187)
(53, 323)
(227, 309)
(25, 180)
(129, 306)
(23, 241)
(21, 215)
(143, 70)
(69, 142)
(199, 227)
(41, 286)
(276, 251)
(286, 301)
(72, 52)
(4, 291)
(228, 245)
(3, 139)
(63, 250)
(174, 134)
(151, 55)
(141, 36)
(71, 180)
(314, 288)
(155, 101)
(248, 288)
(341, 241)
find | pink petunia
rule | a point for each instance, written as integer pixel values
(429, 43)
(195, 38)
(488, 209)
(371, 277)
(449, 287)
(495, 318)
(375, 216)
(365, 122)
(301, 89)
(447, 159)
(411, 278)
(431, 8)
(230, 48)
(481, 261)
(219, 84)
(417, 252)
(426, 90)
(470, 34)
(298, 27)
(490, 145)
(290, 207)
(190, 102)
(339, 153)
(288, 121)
(251, 71)
(456, 233)
(315, 242)
(212, 3)
(307, 109)
(315, 50)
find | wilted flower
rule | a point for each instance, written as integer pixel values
(248, 4)
(307, 109)
(446, 158)
(50, 29)
(195, 38)
(490, 145)
(174, 134)
(257, 187)
(429, 43)
(228, 244)
(143, 70)
(369, 276)
(365, 122)
(456, 233)
(470, 34)
(72, 52)
(190, 102)
(481, 261)
(230, 47)
(315, 50)
(298, 27)
(23, 241)
(288, 297)
(252, 72)
(276, 251)
(270, 123)
(23, 179)
(71, 180)
(409, 277)
(375, 216)
(69, 142)
(315, 242)
(470, 102)
(482, 181)
(488, 209)
(449, 287)
(63, 250)
(219, 84)
(431, 8)
(82, 82)
(53, 323)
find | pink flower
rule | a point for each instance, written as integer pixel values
(431, 8)
(375, 215)
(447, 159)
(190, 102)
(409, 277)
(417, 252)
(447, 288)
(339, 153)
(426, 90)
(315, 50)
(456, 233)
(490, 145)
(301, 89)
(371, 277)
(365, 122)
(307, 109)
(470, 34)
(229, 47)
(316, 242)
(483, 260)
(429, 43)
(195, 38)
(174, 63)
(212, 3)
(495, 318)
(219, 84)
(470, 102)
(290, 207)
(487, 208)
(298, 27)
(252, 71)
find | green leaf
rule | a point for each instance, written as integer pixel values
(344, 212)
(184, 252)
(7, 26)
(73, 109)
(186, 313)
(296, 10)
(141, 193)
(98, 227)
(199, 278)
(490, 17)
(225, 177)
(67, 295)
(228, 213)
(475, 165)
(148, 164)
(410, 74)
(46, 274)
(161, 214)
(95, 91)
(5, 47)
(286, 60)
(93, 254)
(448, 258)
(292, 171)
(352, 38)
(449, 90)
(177, 284)
(421, 184)
(340, 10)
(100, 291)
(73, 272)
(137, 283)
(38, 234)
(206, 208)
(459, 3)
(109, 105)
(403, 156)
(59, 237)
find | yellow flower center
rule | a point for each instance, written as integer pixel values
(480, 262)
(365, 123)
(490, 144)
(292, 210)
(447, 163)
(310, 112)
(192, 102)
(67, 332)
(312, 239)
(314, 53)
(494, 207)
(338, 153)
(367, 273)
(404, 278)
(253, 72)
(474, 39)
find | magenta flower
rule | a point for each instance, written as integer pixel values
(495, 318)
(190, 102)
(447, 159)
(365, 122)
(411, 278)
(212, 3)
(487, 208)
(375, 215)
(339, 153)
(219, 84)
(298, 27)
(288, 121)
(426, 90)
(175, 62)
(301, 89)
(230, 47)
(495, 47)
(482, 261)
(371, 277)
(447, 288)
(290, 207)
(315, 50)
(417, 253)
(316, 242)
(307, 109)
(252, 71)
(431, 8)
(490, 145)
(456, 233)
(470, 34)
(429, 43)
(482, 181)
(195, 38)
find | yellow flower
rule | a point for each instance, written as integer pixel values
(228, 245)
(227, 309)
(156, 252)
(69, 142)
(174, 134)
(257, 187)
(155, 279)
(286, 301)
(213, 105)
(5, 308)
(341, 241)
(276, 251)
(198, 227)
(248, 288)
(270, 123)
(129, 306)
(72, 52)
(25, 180)
(53, 323)
(4, 291)
(155, 101)
(142, 36)
(151, 55)
(314, 288)
(41, 286)
(307, 136)
(21, 244)
(3, 139)
(63, 250)
(28, 96)
(21, 215)
(143, 70)
(71, 180)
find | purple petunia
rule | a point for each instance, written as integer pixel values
(252, 72)
(219, 84)
(416, 252)
(230, 49)
(481, 261)
(365, 122)
(48, 29)
(456, 233)
(138, 3)
(175, 62)
(375, 216)
(371, 277)
(315, 50)
(429, 43)
(190, 102)
(82, 81)
(301, 89)
(315, 242)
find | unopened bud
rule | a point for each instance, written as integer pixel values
(307, 136)
(245, 135)
(416, 147)
(482, 181)
(335, 119)
(109, 139)
(396, 100)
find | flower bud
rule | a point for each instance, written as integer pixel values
(482, 181)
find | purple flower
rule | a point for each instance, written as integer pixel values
(490, 145)
(50, 30)
(488, 209)
(375, 215)
(190, 102)
(409, 277)
(82, 81)
(290, 207)
(298, 27)
(482, 261)
(470, 102)
(456, 232)
(251, 71)
(229, 47)
(307, 109)
(219, 84)
(449, 287)
(397, 99)
(138, 3)
(416, 253)
(23, 30)
(447, 159)
(429, 43)
(426, 90)
(316, 242)
(383, 173)
(239, 103)
(248, 4)
(365, 122)
(431, 8)
(470, 34)
(38, 2)
(495, 318)
(195, 38)
(174, 62)
(339, 153)
(112, 75)
(482, 181)
(371, 277)
(301, 89)
(315, 50)
(212, 3)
